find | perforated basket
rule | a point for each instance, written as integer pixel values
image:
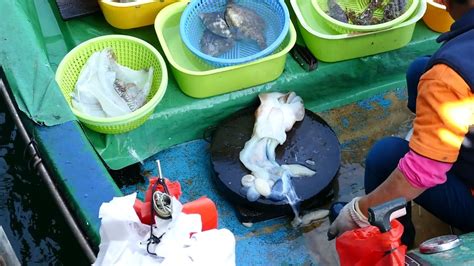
(274, 13)
(131, 52)
(358, 6)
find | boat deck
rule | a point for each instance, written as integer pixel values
(362, 99)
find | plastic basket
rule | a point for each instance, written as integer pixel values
(133, 14)
(188, 70)
(437, 18)
(358, 6)
(273, 12)
(131, 52)
(329, 46)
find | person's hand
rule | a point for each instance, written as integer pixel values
(349, 218)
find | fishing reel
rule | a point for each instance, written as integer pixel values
(161, 201)
(162, 204)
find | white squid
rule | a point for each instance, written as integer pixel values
(275, 116)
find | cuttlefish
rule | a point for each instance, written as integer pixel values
(246, 23)
(275, 116)
(215, 45)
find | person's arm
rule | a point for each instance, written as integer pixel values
(431, 155)
(395, 186)
(441, 123)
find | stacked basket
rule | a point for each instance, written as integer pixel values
(276, 19)
(330, 45)
(200, 79)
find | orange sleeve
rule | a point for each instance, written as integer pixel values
(443, 114)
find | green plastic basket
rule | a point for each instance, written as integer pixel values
(131, 52)
(189, 70)
(321, 6)
(330, 46)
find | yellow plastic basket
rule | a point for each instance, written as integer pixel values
(134, 14)
(437, 18)
(131, 52)
(321, 7)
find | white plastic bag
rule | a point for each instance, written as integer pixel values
(107, 89)
(124, 238)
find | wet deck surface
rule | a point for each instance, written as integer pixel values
(276, 242)
(357, 126)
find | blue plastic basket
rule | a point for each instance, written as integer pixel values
(273, 12)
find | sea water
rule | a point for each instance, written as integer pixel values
(33, 224)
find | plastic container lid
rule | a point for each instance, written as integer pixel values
(440, 244)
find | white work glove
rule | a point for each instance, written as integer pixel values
(349, 218)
